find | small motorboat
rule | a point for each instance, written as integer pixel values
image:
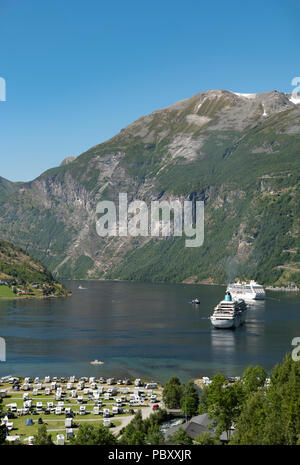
(96, 362)
(196, 301)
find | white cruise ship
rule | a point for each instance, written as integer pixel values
(247, 291)
(229, 313)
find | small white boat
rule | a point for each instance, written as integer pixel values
(96, 362)
(196, 301)
(81, 288)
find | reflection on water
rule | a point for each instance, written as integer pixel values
(141, 329)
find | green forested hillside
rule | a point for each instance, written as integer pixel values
(24, 275)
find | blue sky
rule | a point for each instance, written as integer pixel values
(79, 71)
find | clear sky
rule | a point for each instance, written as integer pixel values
(79, 71)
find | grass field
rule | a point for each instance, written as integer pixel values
(54, 426)
(5, 291)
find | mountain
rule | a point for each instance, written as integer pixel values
(239, 153)
(19, 269)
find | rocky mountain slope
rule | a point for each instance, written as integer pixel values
(237, 152)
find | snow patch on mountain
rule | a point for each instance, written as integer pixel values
(249, 96)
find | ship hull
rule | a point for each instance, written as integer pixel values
(226, 323)
(248, 297)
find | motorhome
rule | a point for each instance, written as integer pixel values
(68, 422)
(106, 412)
(82, 410)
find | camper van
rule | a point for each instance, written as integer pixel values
(82, 410)
(27, 403)
(60, 440)
(68, 422)
(69, 433)
(111, 381)
(106, 413)
(13, 407)
(151, 386)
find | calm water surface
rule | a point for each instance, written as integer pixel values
(138, 329)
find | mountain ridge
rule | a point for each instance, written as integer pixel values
(240, 154)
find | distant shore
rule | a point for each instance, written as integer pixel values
(287, 288)
(283, 289)
(34, 297)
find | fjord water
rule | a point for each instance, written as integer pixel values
(145, 330)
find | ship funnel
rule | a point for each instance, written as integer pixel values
(228, 297)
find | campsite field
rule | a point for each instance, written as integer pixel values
(56, 422)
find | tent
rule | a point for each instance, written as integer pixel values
(40, 421)
(29, 422)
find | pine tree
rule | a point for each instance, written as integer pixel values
(42, 438)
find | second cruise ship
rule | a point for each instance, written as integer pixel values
(247, 291)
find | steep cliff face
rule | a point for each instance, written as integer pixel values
(237, 152)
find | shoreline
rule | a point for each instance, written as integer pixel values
(200, 283)
(283, 289)
(38, 297)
